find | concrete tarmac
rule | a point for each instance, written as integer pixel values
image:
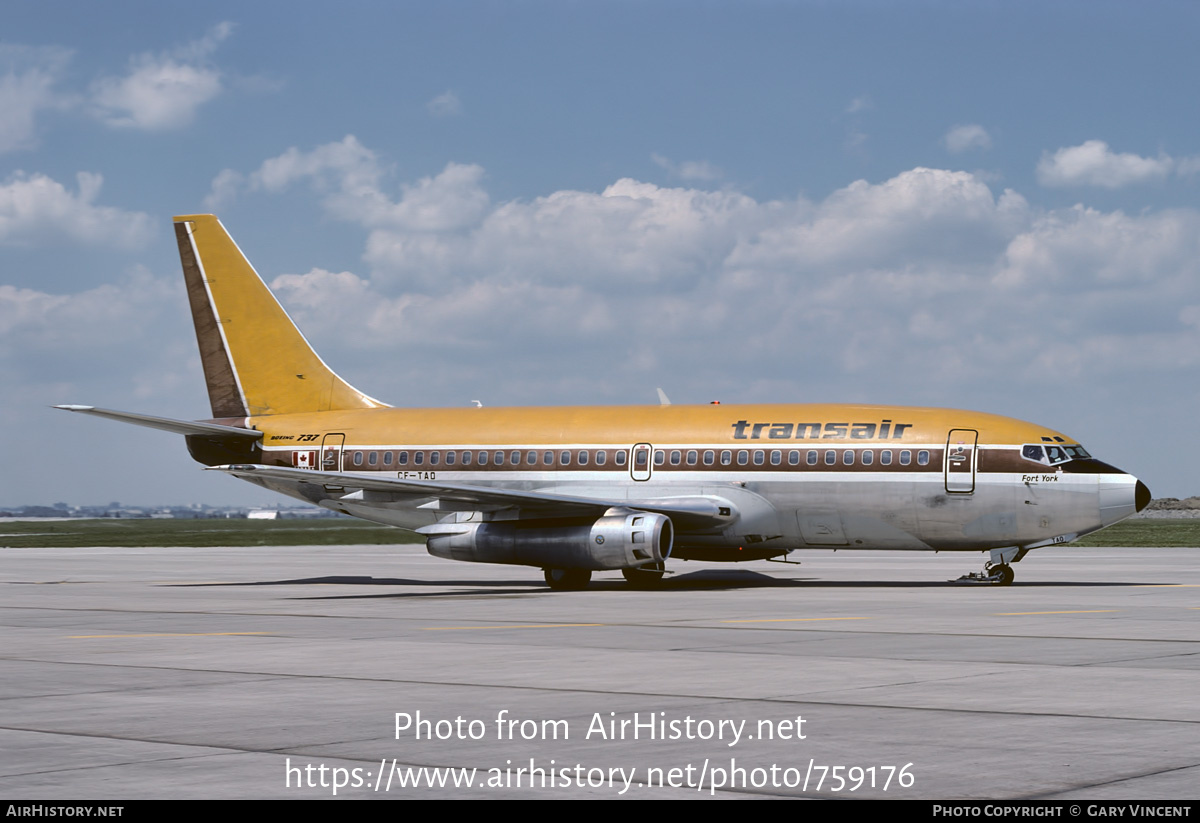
(374, 672)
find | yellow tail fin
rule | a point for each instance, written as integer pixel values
(256, 361)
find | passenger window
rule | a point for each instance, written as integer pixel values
(358, 458)
(743, 457)
(885, 457)
(922, 458)
(466, 458)
(372, 458)
(660, 457)
(449, 458)
(794, 458)
(726, 457)
(692, 457)
(402, 458)
(481, 458)
(868, 457)
(434, 457)
(498, 459)
(418, 458)
(776, 457)
(905, 457)
(709, 457)
(830, 457)
(514, 458)
(583, 458)
(675, 457)
(812, 458)
(601, 457)
(848, 457)
(548, 458)
(564, 458)
(531, 458)
(387, 458)
(619, 457)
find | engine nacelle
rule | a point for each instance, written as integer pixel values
(621, 539)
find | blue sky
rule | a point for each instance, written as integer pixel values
(977, 205)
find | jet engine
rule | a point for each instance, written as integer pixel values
(621, 539)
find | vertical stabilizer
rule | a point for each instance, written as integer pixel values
(256, 361)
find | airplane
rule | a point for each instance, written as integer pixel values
(576, 490)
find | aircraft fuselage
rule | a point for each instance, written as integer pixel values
(804, 476)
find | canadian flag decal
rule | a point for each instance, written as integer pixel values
(304, 460)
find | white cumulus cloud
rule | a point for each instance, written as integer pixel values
(967, 137)
(689, 170)
(350, 180)
(445, 104)
(1093, 163)
(34, 207)
(162, 91)
(27, 87)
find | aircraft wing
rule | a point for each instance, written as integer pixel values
(689, 512)
(167, 423)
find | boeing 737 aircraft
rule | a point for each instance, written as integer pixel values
(577, 490)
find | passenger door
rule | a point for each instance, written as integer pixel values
(960, 460)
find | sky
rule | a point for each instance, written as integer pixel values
(989, 206)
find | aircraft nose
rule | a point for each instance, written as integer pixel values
(1141, 495)
(1121, 495)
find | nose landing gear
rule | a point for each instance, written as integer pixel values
(997, 571)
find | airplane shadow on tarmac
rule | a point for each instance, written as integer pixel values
(704, 580)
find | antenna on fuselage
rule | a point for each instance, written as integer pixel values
(663, 400)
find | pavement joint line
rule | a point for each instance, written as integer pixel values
(164, 634)
(513, 626)
(1079, 611)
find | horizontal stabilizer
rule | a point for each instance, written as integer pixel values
(167, 423)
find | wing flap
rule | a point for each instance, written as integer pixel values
(691, 512)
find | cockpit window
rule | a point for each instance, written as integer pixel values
(1052, 454)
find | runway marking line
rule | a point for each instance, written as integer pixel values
(515, 626)
(1081, 611)
(793, 619)
(1166, 586)
(166, 634)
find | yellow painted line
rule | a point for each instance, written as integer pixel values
(516, 626)
(1166, 586)
(1081, 611)
(794, 619)
(171, 634)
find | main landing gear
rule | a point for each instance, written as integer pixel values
(567, 580)
(997, 571)
(573, 580)
(644, 577)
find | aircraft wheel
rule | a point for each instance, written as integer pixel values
(567, 580)
(644, 577)
(1005, 573)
